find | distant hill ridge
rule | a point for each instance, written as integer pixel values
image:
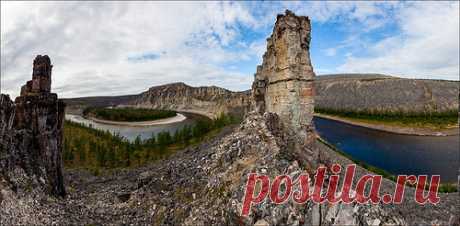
(352, 92)
(209, 101)
(382, 94)
(353, 76)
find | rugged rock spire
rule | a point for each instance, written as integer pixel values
(41, 77)
(31, 136)
(283, 84)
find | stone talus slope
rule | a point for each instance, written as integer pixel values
(210, 184)
(200, 186)
(209, 101)
(386, 94)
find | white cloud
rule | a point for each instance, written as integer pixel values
(427, 47)
(90, 42)
(330, 51)
(371, 14)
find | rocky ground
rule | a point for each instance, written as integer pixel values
(204, 186)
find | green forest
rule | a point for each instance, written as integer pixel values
(127, 114)
(93, 149)
(436, 120)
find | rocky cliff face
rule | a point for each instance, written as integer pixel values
(382, 94)
(209, 101)
(363, 92)
(283, 84)
(31, 135)
(354, 92)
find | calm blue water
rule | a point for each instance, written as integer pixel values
(397, 154)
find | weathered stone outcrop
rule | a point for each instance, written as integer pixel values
(31, 135)
(209, 101)
(6, 121)
(41, 77)
(284, 83)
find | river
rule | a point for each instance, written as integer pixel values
(395, 153)
(131, 132)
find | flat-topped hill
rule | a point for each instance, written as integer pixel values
(348, 76)
(375, 93)
(385, 94)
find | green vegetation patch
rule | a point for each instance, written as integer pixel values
(128, 114)
(439, 120)
(93, 149)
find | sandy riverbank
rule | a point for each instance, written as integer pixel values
(178, 118)
(394, 129)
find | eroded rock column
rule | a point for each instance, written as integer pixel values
(32, 139)
(284, 82)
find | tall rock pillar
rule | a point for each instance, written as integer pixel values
(32, 137)
(284, 82)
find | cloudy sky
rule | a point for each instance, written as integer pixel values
(115, 48)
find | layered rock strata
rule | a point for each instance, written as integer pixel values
(209, 101)
(31, 134)
(284, 83)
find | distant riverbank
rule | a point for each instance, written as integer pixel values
(419, 131)
(178, 118)
(132, 132)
